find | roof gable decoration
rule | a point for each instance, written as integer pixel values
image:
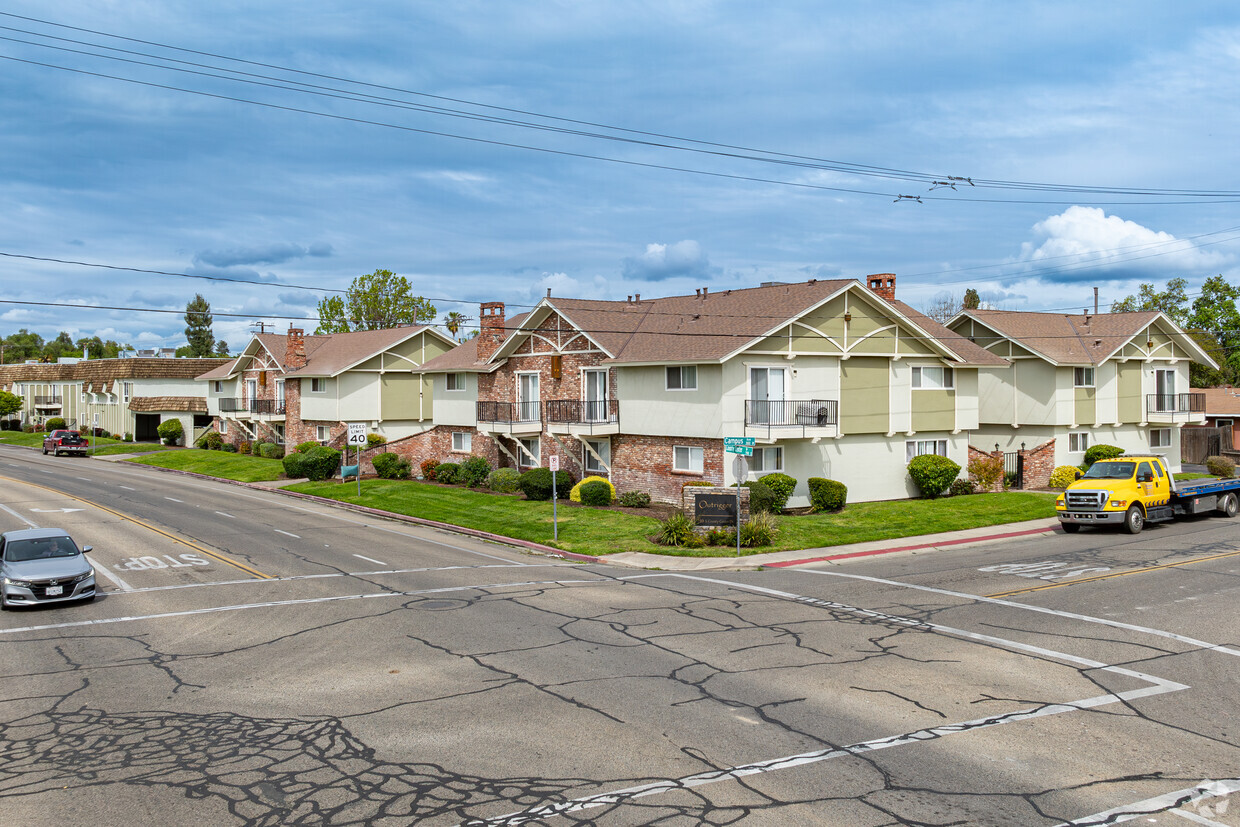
(531, 328)
(1156, 342)
(386, 351)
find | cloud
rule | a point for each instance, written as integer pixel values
(1085, 241)
(665, 261)
(276, 253)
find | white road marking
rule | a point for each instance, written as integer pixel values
(54, 510)
(116, 581)
(223, 514)
(1045, 571)
(85, 479)
(290, 534)
(19, 516)
(174, 499)
(1167, 802)
(369, 560)
(127, 488)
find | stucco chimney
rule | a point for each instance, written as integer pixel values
(884, 284)
(492, 333)
(295, 349)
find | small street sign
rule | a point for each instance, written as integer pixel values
(739, 450)
(357, 433)
(742, 441)
(554, 462)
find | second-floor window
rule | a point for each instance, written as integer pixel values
(217, 386)
(1082, 377)
(932, 377)
(280, 393)
(318, 385)
(126, 391)
(527, 397)
(682, 378)
(456, 381)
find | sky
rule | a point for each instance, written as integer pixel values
(266, 154)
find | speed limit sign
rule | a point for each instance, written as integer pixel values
(357, 433)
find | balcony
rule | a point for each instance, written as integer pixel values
(791, 418)
(509, 417)
(48, 401)
(269, 407)
(576, 416)
(1175, 407)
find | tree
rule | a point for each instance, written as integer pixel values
(376, 301)
(221, 348)
(453, 322)
(1214, 319)
(92, 347)
(1173, 301)
(943, 307)
(10, 403)
(62, 345)
(972, 301)
(22, 345)
(198, 327)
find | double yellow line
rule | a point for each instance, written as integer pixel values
(196, 547)
(1113, 575)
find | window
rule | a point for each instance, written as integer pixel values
(1160, 437)
(1078, 443)
(932, 378)
(217, 386)
(278, 430)
(527, 397)
(318, 385)
(462, 441)
(767, 460)
(1082, 377)
(126, 391)
(1223, 423)
(279, 395)
(531, 445)
(682, 378)
(602, 447)
(322, 433)
(917, 447)
(456, 381)
(687, 458)
(1164, 390)
(223, 425)
(767, 389)
(83, 394)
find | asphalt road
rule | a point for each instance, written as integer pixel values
(257, 659)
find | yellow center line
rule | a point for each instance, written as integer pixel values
(1113, 575)
(196, 547)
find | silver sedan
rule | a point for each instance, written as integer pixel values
(43, 565)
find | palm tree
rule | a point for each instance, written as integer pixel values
(453, 322)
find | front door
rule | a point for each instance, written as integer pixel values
(767, 389)
(1164, 389)
(251, 393)
(527, 397)
(595, 391)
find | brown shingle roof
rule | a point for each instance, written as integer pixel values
(104, 372)
(1221, 401)
(464, 357)
(969, 353)
(151, 404)
(331, 354)
(1066, 339)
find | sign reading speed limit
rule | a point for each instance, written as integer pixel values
(357, 433)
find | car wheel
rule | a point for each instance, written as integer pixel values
(44, 452)
(1134, 520)
(1071, 528)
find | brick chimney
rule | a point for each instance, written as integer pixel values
(492, 333)
(295, 349)
(884, 284)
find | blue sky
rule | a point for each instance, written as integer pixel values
(295, 190)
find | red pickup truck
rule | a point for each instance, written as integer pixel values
(65, 442)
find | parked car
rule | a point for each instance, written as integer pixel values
(65, 442)
(43, 565)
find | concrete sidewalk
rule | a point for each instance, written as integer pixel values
(782, 559)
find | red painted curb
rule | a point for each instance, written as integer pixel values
(961, 541)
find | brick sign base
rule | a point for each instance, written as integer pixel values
(689, 504)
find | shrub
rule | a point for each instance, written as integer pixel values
(962, 487)
(473, 472)
(243, 447)
(827, 495)
(256, 448)
(170, 431)
(761, 497)
(595, 492)
(321, 462)
(1097, 452)
(720, 537)
(1221, 467)
(272, 451)
(759, 530)
(57, 423)
(932, 474)
(392, 466)
(503, 480)
(129, 437)
(781, 486)
(428, 467)
(446, 472)
(697, 484)
(228, 448)
(211, 440)
(302, 447)
(295, 466)
(986, 471)
(635, 499)
(536, 484)
(676, 530)
(375, 440)
(575, 493)
(1064, 475)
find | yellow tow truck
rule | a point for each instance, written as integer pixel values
(1134, 489)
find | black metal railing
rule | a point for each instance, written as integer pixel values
(232, 405)
(48, 400)
(1175, 403)
(806, 413)
(578, 410)
(257, 406)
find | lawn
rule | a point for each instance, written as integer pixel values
(98, 445)
(599, 531)
(239, 467)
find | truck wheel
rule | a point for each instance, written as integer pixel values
(1134, 520)
(44, 452)
(1229, 506)
(1070, 528)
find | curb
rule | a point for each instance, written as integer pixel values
(961, 541)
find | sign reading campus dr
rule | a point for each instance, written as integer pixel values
(739, 445)
(357, 433)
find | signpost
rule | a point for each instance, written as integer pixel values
(357, 436)
(554, 462)
(742, 446)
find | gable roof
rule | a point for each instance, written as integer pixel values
(337, 352)
(464, 357)
(1077, 339)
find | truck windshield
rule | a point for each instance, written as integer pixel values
(1108, 470)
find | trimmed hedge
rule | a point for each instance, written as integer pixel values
(595, 492)
(446, 472)
(302, 447)
(503, 480)
(211, 441)
(391, 466)
(635, 499)
(270, 450)
(1063, 476)
(321, 462)
(933, 474)
(57, 423)
(575, 494)
(295, 465)
(473, 472)
(761, 497)
(1097, 452)
(827, 495)
(535, 484)
(1221, 467)
(781, 486)
(170, 431)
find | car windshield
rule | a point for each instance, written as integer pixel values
(42, 548)
(1106, 470)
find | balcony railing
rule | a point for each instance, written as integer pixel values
(795, 413)
(256, 406)
(509, 412)
(1175, 403)
(48, 400)
(578, 410)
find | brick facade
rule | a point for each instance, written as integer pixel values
(644, 463)
(1038, 464)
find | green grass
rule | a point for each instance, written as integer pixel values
(239, 467)
(602, 531)
(98, 445)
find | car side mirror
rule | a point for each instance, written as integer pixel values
(1079, 474)
(87, 548)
